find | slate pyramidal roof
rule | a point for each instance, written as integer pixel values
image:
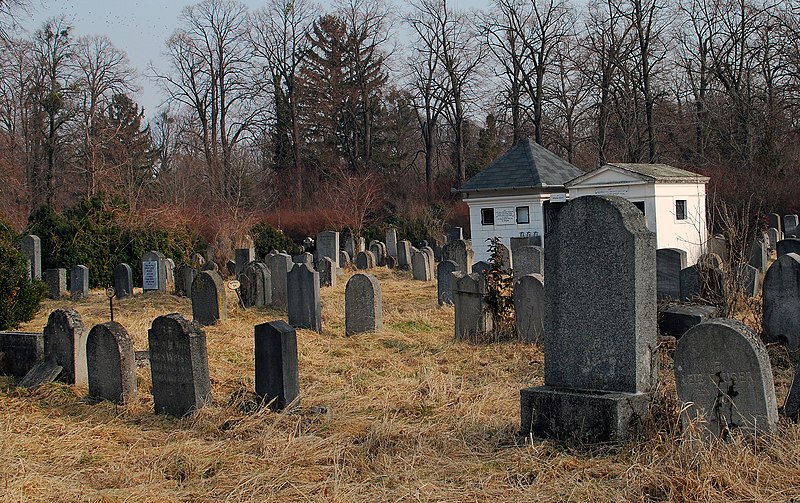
(527, 165)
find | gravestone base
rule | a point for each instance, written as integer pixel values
(583, 416)
(676, 320)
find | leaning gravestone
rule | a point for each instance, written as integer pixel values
(529, 308)
(420, 266)
(363, 305)
(305, 310)
(344, 259)
(179, 365)
(208, 298)
(43, 372)
(32, 249)
(444, 281)
(669, 264)
(79, 282)
(327, 272)
(781, 302)
(184, 277)
(328, 246)
(528, 260)
(724, 379)
(472, 317)
(277, 373)
(461, 253)
(19, 352)
(705, 279)
(65, 344)
(365, 260)
(746, 279)
(790, 224)
(123, 281)
(391, 242)
(601, 360)
(56, 283)
(404, 255)
(111, 363)
(788, 245)
(154, 272)
(279, 265)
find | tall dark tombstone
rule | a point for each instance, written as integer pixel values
(111, 363)
(601, 360)
(472, 318)
(444, 281)
(305, 309)
(363, 305)
(774, 221)
(179, 365)
(243, 256)
(65, 343)
(669, 264)
(328, 246)
(56, 280)
(32, 249)
(154, 272)
(123, 281)
(184, 277)
(365, 260)
(277, 373)
(391, 242)
(327, 272)
(781, 302)
(79, 282)
(208, 298)
(460, 252)
(404, 255)
(529, 308)
(279, 265)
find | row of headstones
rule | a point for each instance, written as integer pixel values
(789, 226)
(705, 279)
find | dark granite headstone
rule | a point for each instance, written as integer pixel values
(123, 281)
(444, 280)
(208, 298)
(79, 282)
(676, 320)
(56, 283)
(669, 264)
(365, 260)
(111, 363)
(472, 318)
(363, 305)
(461, 253)
(788, 245)
(277, 373)
(32, 250)
(43, 372)
(19, 352)
(242, 256)
(529, 308)
(327, 272)
(774, 221)
(328, 246)
(781, 302)
(790, 224)
(184, 277)
(305, 309)
(404, 255)
(480, 266)
(791, 406)
(279, 265)
(759, 255)
(65, 343)
(256, 285)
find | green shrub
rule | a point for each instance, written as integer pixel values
(19, 298)
(268, 238)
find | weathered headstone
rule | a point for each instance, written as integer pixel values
(759, 255)
(505, 255)
(472, 318)
(350, 245)
(169, 267)
(669, 264)
(391, 242)
(56, 283)
(378, 249)
(279, 265)
(210, 266)
(528, 260)
(111, 363)
(344, 259)
(361, 245)
(184, 277)
(774, 221)
(327, 272)
(529, 308)
(123, 281)
(79, 282)
(365, 260)
(461, 253)
(277, 372)
(723, 377)
(420, 266)
(208, 298)
(154, 272)
(196, 260)
(304, 258)
(444, 280)
(230, 268)
(328, 246)
(747, 279)
(179, 365)
(718, 245)
(781, 302)
(65, 344)
(601, 360)
(773, 236)
(242, 257)
(305, 310)
(19, 352)
(788, 245)
(676, 320)
(391, 262)
(480, 266)
(790, 224)
(518, 242)
(705, 279)
(32, 250)
(256, 285)
(363, 305)
(404, 255)
(455, 234)
(43, 372)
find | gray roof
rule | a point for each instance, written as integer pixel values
(526, 165)
(661, 172)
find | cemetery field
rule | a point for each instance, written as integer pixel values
(408, 414)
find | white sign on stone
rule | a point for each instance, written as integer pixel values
(505, 216)
(150, 275)
(612, 191)
(558, 198)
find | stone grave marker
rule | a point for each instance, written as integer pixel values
(444, 281)
(774, 221)
(210, 266)
(529, 308)
(759, 255)
(111, 363)
(279, 265)
(19, 352)
(528, 260)
(669, 264)
(327, 272)
(328, 246)
(56, 283)
(79, 282)
(378, 249)
(350, 244)
(781, 302)
(230, 268)
(472, 318)
(518, 242)
(43, 372)
(169, 266)
(242, 257)
(718, 245)
(365, 260)
(184, 277)
(705, 279)
(420, 266)
(505, 255)
(773, 236)
(723, 377)
(179, 365)
(32, 250)
(601, 360)
(208, 298)
(154, 272)
(123, 281)
(304, 258)
(455, 234)
(479, 267)
(391, 242)
(676, 320)
(344, 259)
(747, 279)
(65, 344)
(196, 260)
(791, 406)
(404, 255)
(391, 262)
(788, 245)
(305, 310)
(256, 285)
(363, 305)
(277, 372)
(461, 253)
(790, 224)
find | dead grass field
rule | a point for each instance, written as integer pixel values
(411, 415)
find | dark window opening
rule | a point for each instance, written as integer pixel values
(487, 216)
(640, 205)
(680, 209)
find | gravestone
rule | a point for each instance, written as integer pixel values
(196, 260)
(230, 268)
(154, 272)
(328, 246)
(65, 344)
(481, 266)
(529, 308)
(304, 258)
(56, 283)
(361, 245)
(723, 377)
(444, 280)
(378, 249)
(747, 279)
(256, 285)
(773, 236)
(32, 250)
(391, 262)
(528, 260)
(404, 255)
(277, 372)
(350, 244)
(455, 234)
(781, 302)
(518, 242)
(472, 318)
(344, 259)
(791, 406)
(705, 279)
(718, 245)
(669, 264)
(79, 282)
(43, 372)
(438, 251)
(243, 256)
(111, 363)
(790, 224)
(601, 360)
(391, 242)
(505, 254)
(676, 320)
(365, 260)
(461, 253)
(19, 352)
(305, 310)
(279, 265)
(420, 266)
(788, 245)
(184, 277)
(759, 255)
(178, 365)
(428, 251)
(363, 305)
(208, 298)
(327, 272)
(123, 281)
(774, 221)
(169, 266)
(210, 266)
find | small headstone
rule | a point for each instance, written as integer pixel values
(361, 245)
(676, 320)
(461, 253)
(773, 236)
(344, 259)
(669, 264)
(256, 285)
(196, 260)
(391, 262)
(747, 279)
(32, 250)
(528, 260)
(210, 266)
(788, 245)
(111, 363)
(184, 277)
(243, 256)
(363, 305)
(279, 265)
(65, 344)
(781, 302)
(43, 372)
(472, 318)
(378, 249)
(404, 255)
(365, 260)
(704, 280)
(518, 242)
(208, 298)
(56, 283)
(774, 221)
(420, 266)
(123, 281)
(529, 308)
(154, 272)
(305, 310)
(718, 245)
(327, 272)
(277, 372)
(759, 255)
(19, 352)
(304, 258)
(455, 234)
(391, 242)
(79, 282)
(179, 365)
(481, 266)
(723, 376)
(790, 224)
(444, 280)
(328, 246)
(350, 244)
(230, 267)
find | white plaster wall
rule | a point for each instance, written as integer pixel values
(690, 234)
(634, 191)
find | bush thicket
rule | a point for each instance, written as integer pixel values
(268, 238)
(19, 297)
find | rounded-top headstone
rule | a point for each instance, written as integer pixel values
(782, 302)
(65, 343)
(111, 363)
(363, 304)
(208, 298)
(123, 281)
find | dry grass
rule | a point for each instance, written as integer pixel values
(412, 415)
